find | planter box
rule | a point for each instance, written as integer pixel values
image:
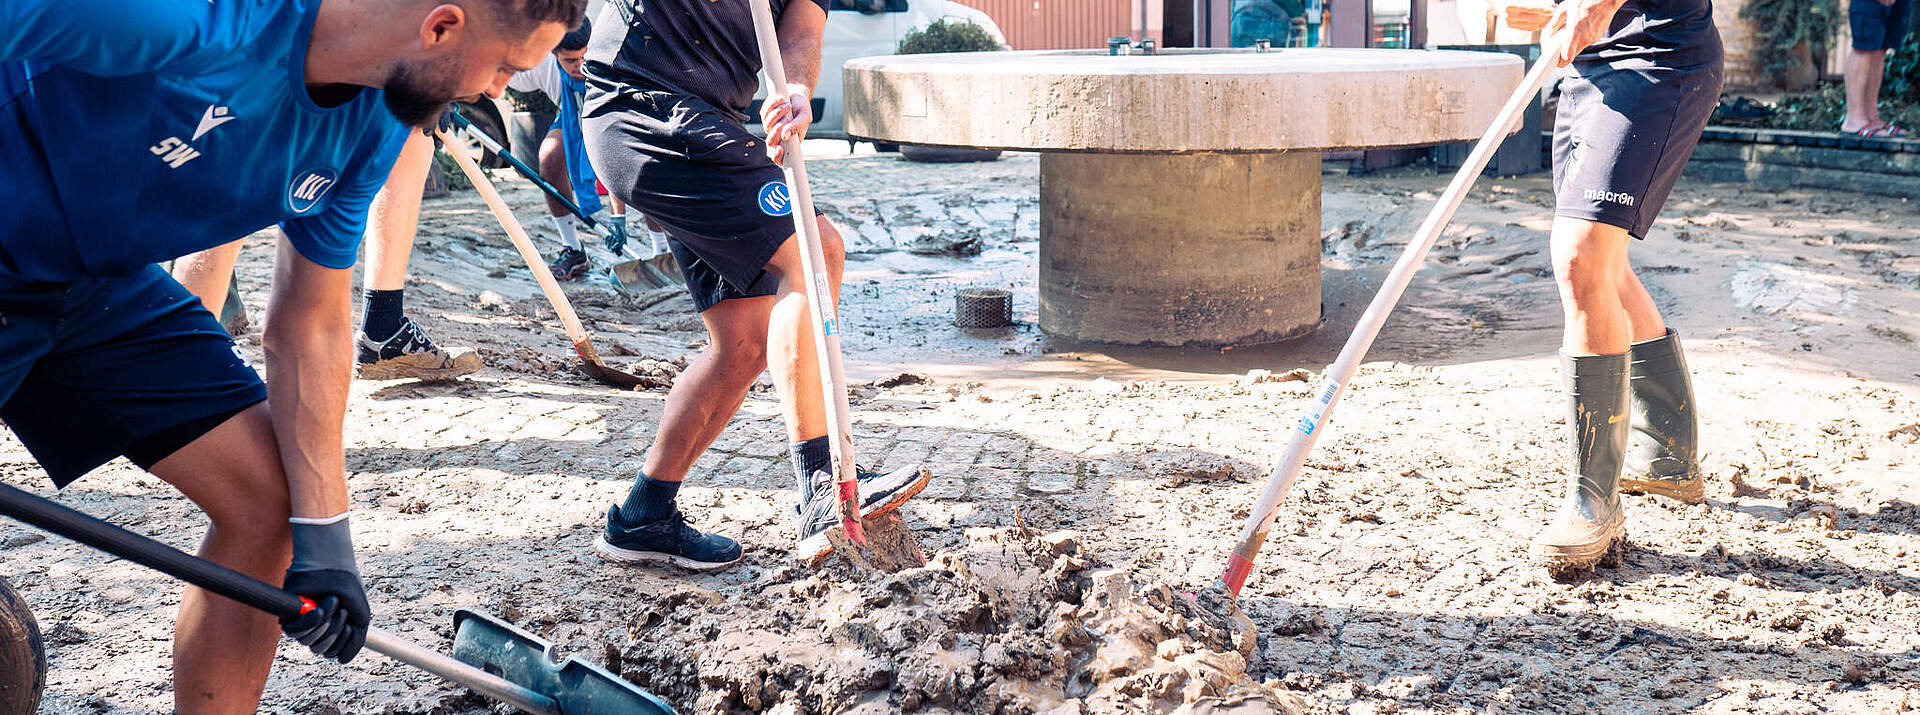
(1775, 158)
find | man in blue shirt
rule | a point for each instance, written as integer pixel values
(132, 133)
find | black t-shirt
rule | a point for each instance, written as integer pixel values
(704, 48)
(1672, 33)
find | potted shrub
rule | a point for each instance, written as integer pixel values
(944, 36)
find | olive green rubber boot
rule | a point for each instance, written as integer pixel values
(1662, 458)
(1590, 520)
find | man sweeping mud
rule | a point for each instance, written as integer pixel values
(132, 133)
(668, 86)
(1644, 77)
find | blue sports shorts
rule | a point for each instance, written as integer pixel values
(704, 178)
(103, 367)
(1876, 26)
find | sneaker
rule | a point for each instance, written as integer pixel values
(411, 354)
(666, 541)
(879, 494)
(571, 265)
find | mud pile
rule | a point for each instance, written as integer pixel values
(1015, 621)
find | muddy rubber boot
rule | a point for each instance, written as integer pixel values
(1590, 520)
(1662, 455)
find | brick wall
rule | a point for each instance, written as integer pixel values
(1737, 36)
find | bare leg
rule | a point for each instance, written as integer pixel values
(707, 394)
(553, 168)
(205, 274)
(395, 216)
(1643, 317)
(1856, 68)
(1589, 262)
(791, 354)
(222, 650)
(1876, 76)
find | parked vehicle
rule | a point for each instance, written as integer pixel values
(865, 28)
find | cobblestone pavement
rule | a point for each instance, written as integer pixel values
(1394, 580)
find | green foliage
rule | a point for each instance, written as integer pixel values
(450, 172)
(1819, 110)
(1781, 25)
(1902, 83)
(943, 36)
(1822, 109)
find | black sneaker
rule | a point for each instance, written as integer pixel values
(411, 354)
(571, 265)
(666, 541)
(879, 494)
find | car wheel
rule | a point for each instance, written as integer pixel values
(946, 154)
(23, 657)
(487, 119)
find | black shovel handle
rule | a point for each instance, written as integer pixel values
(519, 166)
(45, 514)
(41, 512)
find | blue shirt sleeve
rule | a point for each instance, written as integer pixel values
(331, 238)
(114, 38)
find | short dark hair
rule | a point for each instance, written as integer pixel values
(521, 16)
(576, 39)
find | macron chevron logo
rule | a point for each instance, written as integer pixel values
(215, 116)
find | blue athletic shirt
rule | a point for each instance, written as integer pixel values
(136, 132)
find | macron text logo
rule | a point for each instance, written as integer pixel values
(1615, 197)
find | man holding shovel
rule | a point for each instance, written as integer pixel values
(132, 133)
(668, 86)
(1644, 78)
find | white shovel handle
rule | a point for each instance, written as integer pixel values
(1284, 471)
(549, 286)
(833, 377)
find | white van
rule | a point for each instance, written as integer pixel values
(855, 28)
(865, 28)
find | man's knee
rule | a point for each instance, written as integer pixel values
(233, 473)
(1586, 256)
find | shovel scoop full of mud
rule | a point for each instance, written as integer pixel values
(524, 659)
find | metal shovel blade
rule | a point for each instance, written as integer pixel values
(660, 271)
(499, 647)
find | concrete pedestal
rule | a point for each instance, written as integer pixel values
(1180, 249)
(1179, 192)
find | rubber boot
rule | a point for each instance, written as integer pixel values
(1662, 455)
(1590, 520)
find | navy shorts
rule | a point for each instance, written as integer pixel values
(103, 367)
(1876, 26)
(1623, 132)
(698, 173)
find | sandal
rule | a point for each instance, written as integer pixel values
(1889, 131)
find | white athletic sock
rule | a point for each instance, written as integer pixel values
(564, 224)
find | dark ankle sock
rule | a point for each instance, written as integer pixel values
(383, 315)
(808, 457)
(651, 500)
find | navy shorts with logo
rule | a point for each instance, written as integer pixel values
(103, 367)
(700, 175)
(1876, 26)
(1623, 131)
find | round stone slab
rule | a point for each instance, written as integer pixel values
(1179, 100)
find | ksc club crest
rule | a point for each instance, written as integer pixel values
(308, 187)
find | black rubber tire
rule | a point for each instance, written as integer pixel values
(486, 118)
(946, 155)
(23, 656)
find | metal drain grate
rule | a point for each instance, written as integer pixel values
(982, 308)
